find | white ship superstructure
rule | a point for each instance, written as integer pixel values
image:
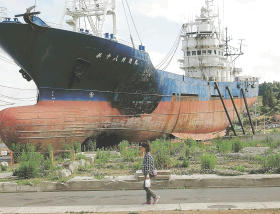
(91, 12)
(205, 49)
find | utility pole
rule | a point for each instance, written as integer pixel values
(264, 124)
(256, 117)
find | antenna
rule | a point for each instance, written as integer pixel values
(93, 11)
(35, 5)
(228, 51)
(3, 13)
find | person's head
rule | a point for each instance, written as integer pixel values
(146, 146)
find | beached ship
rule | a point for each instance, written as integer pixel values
(93, 86)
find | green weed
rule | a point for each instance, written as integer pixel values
(236, 145)
(102, 157)
(208, 162)
(240, 168)
(161, 152)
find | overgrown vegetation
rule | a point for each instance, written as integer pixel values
(208, 162)
(222, 156)
(270, 93)
(30, 163)
(128, 153)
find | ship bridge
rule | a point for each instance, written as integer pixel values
(204, 48)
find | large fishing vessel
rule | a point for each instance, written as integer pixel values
(93, 86)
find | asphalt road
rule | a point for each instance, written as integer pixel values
(90, 198)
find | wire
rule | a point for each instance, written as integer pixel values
(21, 99)
(24, 89)
(170, 55)
(133, 22)
(128, 25)
(6, 60)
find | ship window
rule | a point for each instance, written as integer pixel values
(194, 53)
(199, 52)
(204, 52)
(188, 53)
(215, 52)
(209, 52)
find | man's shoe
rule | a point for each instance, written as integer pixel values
(156, 199)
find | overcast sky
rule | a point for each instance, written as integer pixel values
(159, 21)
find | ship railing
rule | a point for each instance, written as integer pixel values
(68, 28)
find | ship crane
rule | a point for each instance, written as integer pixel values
(92, 11)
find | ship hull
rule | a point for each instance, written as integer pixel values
(66, 122)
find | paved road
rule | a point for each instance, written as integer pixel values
(91, 198)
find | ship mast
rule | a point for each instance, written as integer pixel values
(93, 12)
(3, 13)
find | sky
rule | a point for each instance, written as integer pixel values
(158, 23)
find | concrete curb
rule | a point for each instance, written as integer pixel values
(130, 183)
(143, 208)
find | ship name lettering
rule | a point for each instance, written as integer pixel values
(136, 62)
(123, 59)
(108, 56)
(98, 56)
(116, 58)
(130, 61)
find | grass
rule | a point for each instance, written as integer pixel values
(223, 156)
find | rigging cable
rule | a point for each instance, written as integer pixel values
(168, 58)
(6, 60)
(22, 89)
(130, 34)
(133, 22)
(18, 99)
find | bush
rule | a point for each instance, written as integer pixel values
(240, 168)
(187, 152)
(177, 148)
(236, 146)
(259, 159)
(137, 165)
(130, 155)
(4, 168)
(208, 162)
(123, 146)
(77, 147)
(224, 146)
(272, 162)
(186, 163)
(47, 164)
(68, 154)
(30, 163)
(190, 142)
(102, 157)
(17, 149)
(90, 145)
(81, 157)
(161, 152)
